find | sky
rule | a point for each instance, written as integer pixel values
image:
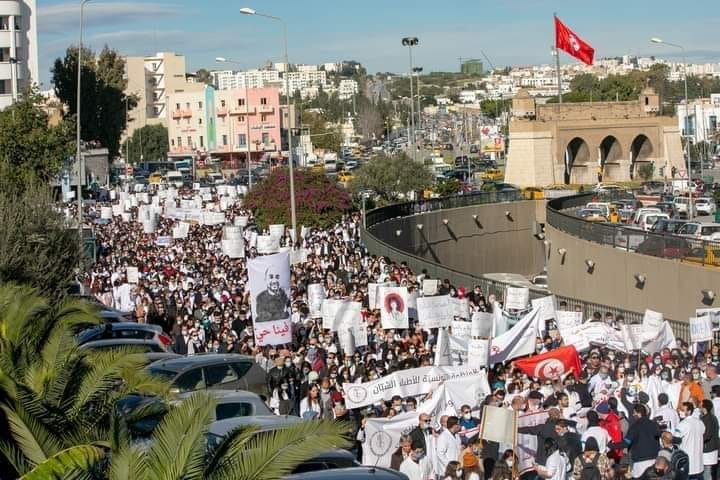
(508, 32)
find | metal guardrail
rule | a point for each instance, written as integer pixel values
(668, 246)
(497, 288)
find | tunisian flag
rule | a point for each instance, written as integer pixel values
(552, 364)
(565, 39)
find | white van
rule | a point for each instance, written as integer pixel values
(174, 178)
(647, 220)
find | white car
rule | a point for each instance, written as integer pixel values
(705, 206)
(699, 231)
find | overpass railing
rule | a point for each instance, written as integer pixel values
(560, 216)
(377, 247)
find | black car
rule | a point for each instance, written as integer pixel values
(141, 331)
(665, 225)
(140, 345)
(212, 371)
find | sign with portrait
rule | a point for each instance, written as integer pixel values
(269, 279)
(393, 307)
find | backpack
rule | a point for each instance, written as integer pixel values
(680, 463)
(590, 470)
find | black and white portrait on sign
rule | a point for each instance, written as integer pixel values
(270, 298)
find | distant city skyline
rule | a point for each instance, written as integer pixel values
(515, 32)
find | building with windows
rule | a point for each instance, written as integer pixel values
(224, 123)
(152, 80)
(701, 120)
(472, 66)
(18, 48)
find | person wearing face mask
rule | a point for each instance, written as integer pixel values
(660, 470)
(711, 442)
(277, 374)
(556, 465)
(689, 433)
(421, 435)
(453, 471)
(402, 453)
(448, 444)
(467, 422)
(472, 467)
(691, 387)
(417, 466)
(641, 440)
(503, 469)
(711, 379)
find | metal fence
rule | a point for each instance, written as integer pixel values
(469, 281)
(661, 245)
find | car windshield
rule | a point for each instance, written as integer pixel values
(165, 374)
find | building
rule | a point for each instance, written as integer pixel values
(229, 79)
(701, 120)
(347, 88)
(471, 67)
(225, 124)
(580, 143)
(18, 48)
(152, 80)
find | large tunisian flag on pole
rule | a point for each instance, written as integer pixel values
(565, 39)
(552, 364)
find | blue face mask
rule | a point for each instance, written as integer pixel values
(419, 456)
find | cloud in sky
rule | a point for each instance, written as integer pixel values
(57, 19)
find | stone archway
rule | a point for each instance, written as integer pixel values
(578, 162)
(610, 154)
(641, 151)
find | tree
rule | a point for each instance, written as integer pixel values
(328, 138)
(646, 171)
(203, 76)
(36, 247)
(31, 149)
(494, 108)
(318, 200)
(391, 176)
(370, 122)
(103, 98)
(149, 143)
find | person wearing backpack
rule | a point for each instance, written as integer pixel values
(592, 465)
(679, 460)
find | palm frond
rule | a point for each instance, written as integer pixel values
(178, 445)
(272, 455)
(128, 463)
(230, 447)
(67, 462)
(31, 437)
(14, 457)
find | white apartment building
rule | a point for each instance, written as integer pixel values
(347, 88)
(703, 118)
(230, 79)
(18, 48)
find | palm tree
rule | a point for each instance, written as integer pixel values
(54, 396)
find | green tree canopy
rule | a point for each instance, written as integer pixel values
(30, 149)
(392, 175)
(149, 144)
(103, 110)
(323, 136)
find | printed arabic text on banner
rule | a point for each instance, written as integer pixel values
(434, 312)
(517, 298)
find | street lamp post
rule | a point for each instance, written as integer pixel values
(78, 155)
(418, 71)
(411, 42)
(250, 11)
(685, 122)
(247, 122)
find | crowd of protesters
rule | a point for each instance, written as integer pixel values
(626, 415)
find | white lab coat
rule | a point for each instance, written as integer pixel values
(691, 431)
(448, 450)
(421, 470)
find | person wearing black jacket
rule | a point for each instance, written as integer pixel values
(711, 440)
(543, 432)
(420, 434)
(568, 442)
(641, 440)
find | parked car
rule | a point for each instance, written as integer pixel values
(665, 246)
(647, 220)
(236, 403)
(137, 344)
(643, 211)
(604, 207)
(705, 206)
(699, 231)
(141, 331)
(212, 371)
(681, 206)
(667, 226)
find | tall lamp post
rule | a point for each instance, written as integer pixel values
(78, 155)
(411, 42)
(685, 116)
(247, 121)
(418, 71)
(250, 11)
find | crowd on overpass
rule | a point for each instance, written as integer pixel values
(617, 413)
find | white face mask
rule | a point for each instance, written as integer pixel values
(459, 473)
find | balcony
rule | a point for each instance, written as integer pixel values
(176, 114)
(180, 150)
(222, 111)
(266, 109)
(269, 147)
(186, 113)
(242, 111)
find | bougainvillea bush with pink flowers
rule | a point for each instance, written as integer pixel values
(319, 201)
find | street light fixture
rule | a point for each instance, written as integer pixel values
(411, 42)
(247, 122)
(78, 155)
(251, 11)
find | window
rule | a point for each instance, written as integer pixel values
(242, 139)
(190, 142)
(263, 101)
(241, 368)
(266, 139)
(199, 121)
(232, 410)
(177, 107)
(172, 142)
(190, 381)
(241, 102)
(241, 119)
(222, 103)
(177, 121)
(647, 101)
(224, 140)
(179, 142)
(187, 121)
(219, 375)
(199, 105)
(263, 118)
(202, 144)
(187, 105)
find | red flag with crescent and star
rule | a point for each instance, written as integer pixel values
(568, 41)
(551, 365)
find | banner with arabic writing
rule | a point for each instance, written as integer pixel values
(270, 298)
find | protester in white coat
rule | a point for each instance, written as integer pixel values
(690, 431)
(448, 445)
(417, 466)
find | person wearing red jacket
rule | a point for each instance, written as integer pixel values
(610, 421)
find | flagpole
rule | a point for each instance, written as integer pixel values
(557, 62)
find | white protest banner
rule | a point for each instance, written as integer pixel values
(382, 437)
(106, 213)
(241, 221)
(430, 287)
(460, 307)
(527, 443)
(652, 323)
(665, 338)
(233, 248)
(632, 336)
(458, 350)
(713, 314)
(374, 294)
(546, 306)
(117, 210)
(498, 424)
(181, 230)
(442, 349)
(348, 315)
(133, 276)
(359, 332)
(316, 295)
(406, 383)
(462, 329)
(393, 307)
(461, 392)
(565, 319)
(700, 329)
(298, 256)
(267, 245)
(482, 325)
(213, 218)
(277, 230)
(163, 241)
(478, 352)
(434, 312)
(575, 336)
(516, 342)
(330, 308)
(269, 279)
(517, 298)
